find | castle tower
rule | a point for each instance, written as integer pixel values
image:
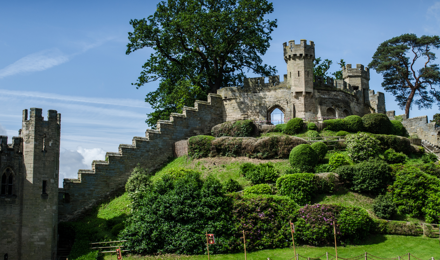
(41, 153)
(299, 59)
(358, 77)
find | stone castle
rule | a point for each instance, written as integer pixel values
(31, 204)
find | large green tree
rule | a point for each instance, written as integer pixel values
(409, 79)
(200, 46)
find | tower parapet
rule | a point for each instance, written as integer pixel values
(299, 59)
(359, 71)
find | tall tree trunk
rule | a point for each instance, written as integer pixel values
(409, 101)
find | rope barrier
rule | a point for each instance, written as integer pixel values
(365, 256)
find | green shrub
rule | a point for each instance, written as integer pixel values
(139, 180)
(280, 128)
(346, 173)
(429, 157)
(417, 193)
(264, 219)
(327, 183)
(336, 160)
(300, 187)
(116, 229)
(312, 126)
(362, 146)
(398, 128)
(93, 255)
(377, 124)
(354, 224)
(303, 157)
(189, 205)
(436, 119)
(258, 189)
(342, 133)
(371, 177)
(231, 185)
(294, 126)
(396, 227)
(392, 157)
(240, 128)
(312, 134)
(334, 124)
(320, 149)
(398, 143)
(431, 169)
(384, 206)
(353, 124)
(261, 173)
(200, 146)
(323, 168)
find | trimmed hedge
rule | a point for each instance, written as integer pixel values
(377, 124)
(300, 187)
(393, 157)
(258, 189)
(303, 157)
(320, 149)
(312, 126)
(384, 206)
(398, 128)
(398, 143)
(200, 146)
(353, 123)
(231, 185)
(280, 128)
(337, 160)
(334, 124)
(396, 228)
(342, 133)
(240, 128)
(260, 173)
(362, 146)
(294, 126)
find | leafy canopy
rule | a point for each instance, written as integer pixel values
(401, 77)
(198, 47)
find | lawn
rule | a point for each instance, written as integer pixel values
(386, 246)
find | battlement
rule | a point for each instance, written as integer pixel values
(359, 71)
(302, 50)
(14, 146)
(377, 101)
(37, 115)
(259, 82)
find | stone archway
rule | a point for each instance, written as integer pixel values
(330, 113)
(276, 108)
(345, 113)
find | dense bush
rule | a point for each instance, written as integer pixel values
(200, 146)
(323, 168)
(384, 206)
(429, 157)
(231, 185)
(417, 193)
(371, 177)
(336, 160)
(327, 183)
(279, 128)
(393, 157)
(139, 180)
(396, 228)
(346, 173)
(431, 169)
(312, 126)
(353, 123)
(312, 134)
(240, 128)
(320, 149)
(175, 214)
(261, 173)
(377, 124)
(265, 220)
(294, 126)
(314, 225)
(300, 186)
(303, 157)
(362, 146)
(334, 124)
(354, 224)
(398, 128)
(258, 189)
(342, 133)
(398, 143)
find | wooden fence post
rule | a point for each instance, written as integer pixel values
(409, 256)
(326, 255)
(365, 255)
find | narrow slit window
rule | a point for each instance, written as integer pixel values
(298, 73)
(44, 187)
(291, 74)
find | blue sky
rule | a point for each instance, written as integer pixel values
(70, 56)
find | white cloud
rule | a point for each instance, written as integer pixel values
(35, 62)
(90, 155)
(2, 130)
(434, 11)
(104, 101)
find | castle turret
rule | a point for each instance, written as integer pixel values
(299, 59)
(358, 77)
(41, 153)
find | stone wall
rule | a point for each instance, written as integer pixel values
(151, 151)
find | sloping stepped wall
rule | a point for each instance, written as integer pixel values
(152, 151)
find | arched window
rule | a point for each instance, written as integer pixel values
(331, 113)
(345, 113)
(7, 182)
(277, 117)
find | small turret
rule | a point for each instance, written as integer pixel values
(357, 77)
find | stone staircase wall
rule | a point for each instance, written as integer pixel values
(151, 152)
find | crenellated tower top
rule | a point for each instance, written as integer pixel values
(359, 71)
(299, 59)
(302, 50)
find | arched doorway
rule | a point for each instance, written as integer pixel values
(330, 113)
(345, 113)
(275, 115)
